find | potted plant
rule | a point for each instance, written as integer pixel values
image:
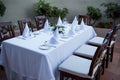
(107, 25)
(44, 8)
(2, 8)
(94, 13)
(112, 11)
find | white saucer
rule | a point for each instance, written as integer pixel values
(44, 47)
(64, 37)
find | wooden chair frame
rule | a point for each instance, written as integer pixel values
(95, 61)
(9, 27)
(40, 21)
(22, 23)
(86, 19)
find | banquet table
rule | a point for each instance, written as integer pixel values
(24, 60)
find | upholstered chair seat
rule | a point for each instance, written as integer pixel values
(96, 41)
(86, 51)
(78, 66)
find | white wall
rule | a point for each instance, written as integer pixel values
(18, 9)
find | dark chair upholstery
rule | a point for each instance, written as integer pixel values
(6, 32)
(86, 19)
(22, 23)
(40, 21)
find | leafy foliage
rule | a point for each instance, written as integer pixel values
(60, 28)
(94, 13)
(104, 25)
(112, 10)
(2, 8)
(44, 8)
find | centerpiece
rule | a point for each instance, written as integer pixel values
(60, 28)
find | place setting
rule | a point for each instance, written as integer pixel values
(52, 42)
(47, 45)
(27, 33)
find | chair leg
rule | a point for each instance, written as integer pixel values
(98, 74)
(1, 67)
(103, 66)
(107, 58)
(61, 76)
(111, 55)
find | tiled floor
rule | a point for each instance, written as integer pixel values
(111, 73)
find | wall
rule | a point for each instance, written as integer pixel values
(18, 9)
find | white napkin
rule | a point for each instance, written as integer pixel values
(75, 21)
(55, 38)
(47, 26)
(26, 32)
(82, 25)
(71, 31)
(59, 23)
(75, 24)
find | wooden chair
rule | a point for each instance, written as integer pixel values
(97, 41)
(80, 68)
(86, 19)
(88, 51)
(40, 21)
(22, 23)
(6, 32)
(113, 41)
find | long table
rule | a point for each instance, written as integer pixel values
(24, 60)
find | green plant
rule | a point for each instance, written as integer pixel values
(60, 28)
(44, 8)
(104, 25)
(2, 8)
(112, 10)
(94, 13)
(64, 12)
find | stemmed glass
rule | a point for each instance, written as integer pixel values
(31, 33)
(65, 21)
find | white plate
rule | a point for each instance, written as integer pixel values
(44, 47)
(64, 37)
(36, 33)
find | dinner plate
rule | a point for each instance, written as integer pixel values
(44, 47)
(64, 37)
(36, 33)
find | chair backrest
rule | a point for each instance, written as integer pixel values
(40, 21)
(96, 57)
(115, 30)
(112, 34)
(86, 19)
(6, 31)
(22, 23)
(108, 36)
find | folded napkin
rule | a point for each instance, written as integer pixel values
(82, 25)
(75, 24)
(75, 21)
(55, 38)
(26, 31)
(47, 26)
(71, 31)
(59, 23)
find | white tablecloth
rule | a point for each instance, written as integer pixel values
(23, 60)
